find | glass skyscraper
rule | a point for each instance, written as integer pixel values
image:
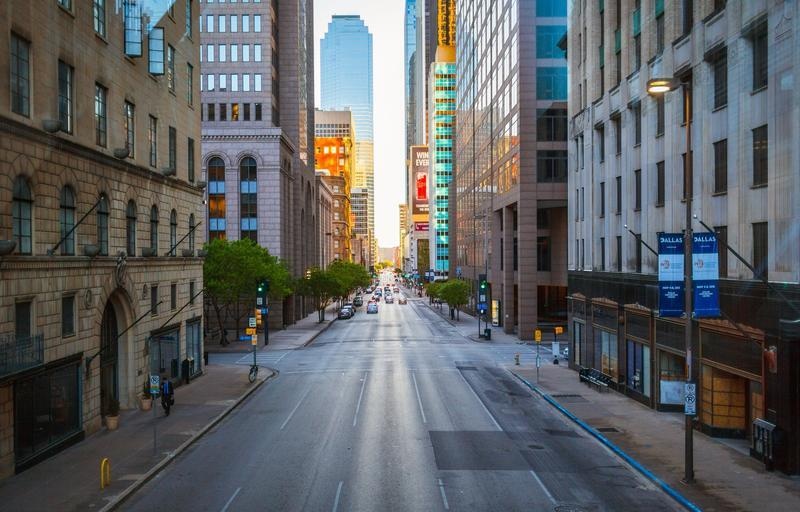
(442, 109)
(346, 84)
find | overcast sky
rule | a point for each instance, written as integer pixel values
(385, 21)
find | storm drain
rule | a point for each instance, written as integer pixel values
(608, 430)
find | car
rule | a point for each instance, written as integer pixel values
(345, 313)
(372, 308)
(389, 299)
(402, 300)
(358, 301)
(396, 290)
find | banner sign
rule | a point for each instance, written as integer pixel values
(705, 272)
(419, 163)
(421, 226)
(670, 274)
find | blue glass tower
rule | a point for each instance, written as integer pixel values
(346, 84)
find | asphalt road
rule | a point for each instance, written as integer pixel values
(396, 411)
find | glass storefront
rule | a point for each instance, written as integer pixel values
(164, 353)
(671, 378)
(577, 342)
(46, 410)
(638, 367)
(194, 349)
(605, 345)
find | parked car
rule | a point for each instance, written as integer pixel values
(396, 290)
(345, 313)
(389, 299)
(358, 301)
(402, 300)
(372, 307)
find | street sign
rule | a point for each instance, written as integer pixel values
(254, 340)
(264, 310)
(259, 301)
(537, 335)
(251, 322)
(155, 384)
(690, 399)
(482, 308)
(250, 331)
(538, 361)
(559, 330)
(244, 337)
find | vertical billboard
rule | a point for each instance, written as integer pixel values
(419, 182)
(670, 274)
(705, 274)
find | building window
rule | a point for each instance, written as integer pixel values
(216, 199)
(99, 14)
(152, 139)
(173, 296)
(618, 209)
(760, 250)
(248, 196)
(246, 112)
(23, 320)
(66, 4)
(601, 142)
(154, 229)
(547, 37)
(20, 76)
(130, 228)
(551, 83)
(760, 58)
(660, 183)
(67, 221)
(190, 158)
(102, 225)
(188, 27)
(257, 23)
(258, 111)
(22, 216)
(722, 249)
(551, 166)
(173, 232)
(234, 23)
(155, 48)
(636, 110)
(223, 111)
(172, 143)
(619, 254)
(719, 68)
(617, 124)
(189, 84)
(760, 156)
(210, 108)
(660, 36)
(637, 52)
(65, 96)
(543, 263)
(688, 16)
(171, 68)
(191, 292)
(637, 187)
(721, 166)
(602, 199)
(191, 233)
(130, 128)
(100, 117)
(221, 19)
(154, 299)
(234, 111)
(602, 253)
(245, 23)
(67, 315)
(660, 115)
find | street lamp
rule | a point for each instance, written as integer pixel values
(658, 87)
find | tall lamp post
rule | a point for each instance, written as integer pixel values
(658, 87)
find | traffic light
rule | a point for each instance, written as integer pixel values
(262, 290)
(484, 284)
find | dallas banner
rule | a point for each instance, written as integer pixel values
(705, 272)
(670, 274)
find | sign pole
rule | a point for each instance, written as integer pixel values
(155, 384)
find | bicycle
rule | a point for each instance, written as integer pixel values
(253, 373)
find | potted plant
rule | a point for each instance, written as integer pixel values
(112, 418)
(146, 398)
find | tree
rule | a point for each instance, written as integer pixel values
(230, 273)
(322, 286)
(350, 276)
(456, 293)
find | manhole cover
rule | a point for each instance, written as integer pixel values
(608, 430)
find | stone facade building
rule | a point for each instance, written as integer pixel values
(258, 128)
(627, 176)
(100, 283)
(325, 227)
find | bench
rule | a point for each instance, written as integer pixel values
(594, 377)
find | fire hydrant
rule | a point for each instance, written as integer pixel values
(516, 359)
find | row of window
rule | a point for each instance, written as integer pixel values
(238, 112)
(248, 190)
(22, 212)
(230, 23)
(211, 81)
(224, 52)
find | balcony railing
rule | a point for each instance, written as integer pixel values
(20, 354)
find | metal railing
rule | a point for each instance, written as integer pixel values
(20, 354)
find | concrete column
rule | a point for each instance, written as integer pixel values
(509, 313)
(527, 273)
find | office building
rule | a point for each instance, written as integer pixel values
(325, 228)
(403, 231)
(258, 129)
(100, 283)
(509, 213)
(627, 186)
(346, 69)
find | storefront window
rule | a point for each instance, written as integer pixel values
(671, 378)
(638, 369)
(577, 342)
(164, 354)
(606, 351)
(194, 346)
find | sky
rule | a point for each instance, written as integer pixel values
(384, 18)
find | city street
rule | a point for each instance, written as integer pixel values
(396, 411)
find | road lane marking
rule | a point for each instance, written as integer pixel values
(360, 396)
(295, 409)
(338, 495)
(444, 496)
(419, 400)
(541, 484)
(481, 402)
(230, 500)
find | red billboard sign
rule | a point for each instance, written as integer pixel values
(419, 180)
(421, 226)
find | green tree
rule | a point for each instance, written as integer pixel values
(350, 276)
(456, 293)
(320, 285)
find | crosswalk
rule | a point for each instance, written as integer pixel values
(264, 358)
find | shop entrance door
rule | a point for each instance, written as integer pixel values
(109, 359)
(164, 354)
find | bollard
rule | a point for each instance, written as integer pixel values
(105, 473)
(516, 359)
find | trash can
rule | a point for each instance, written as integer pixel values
(205, 358)
(487, 333)
(186, 370)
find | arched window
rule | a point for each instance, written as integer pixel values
(154, 229)
(173, 232)
(216, 198)
(130, 228)
(102, 225)
(191, 232)
(67, 220)
(22, 213)
(248, 195)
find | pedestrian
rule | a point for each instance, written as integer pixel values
(167, 395)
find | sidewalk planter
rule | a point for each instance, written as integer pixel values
(112, 418)
(7, 247)
(146, 402)
(187, 253)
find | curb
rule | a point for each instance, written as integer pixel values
(125, 494)
(311, 340)
(678, 497)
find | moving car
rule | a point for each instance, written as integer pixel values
(389, 299)
(396, 290)
(372, 308)
(345, 313)
(358, 301)
(402, 300)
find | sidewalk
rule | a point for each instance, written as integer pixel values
(726, 479)
(70, 480)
